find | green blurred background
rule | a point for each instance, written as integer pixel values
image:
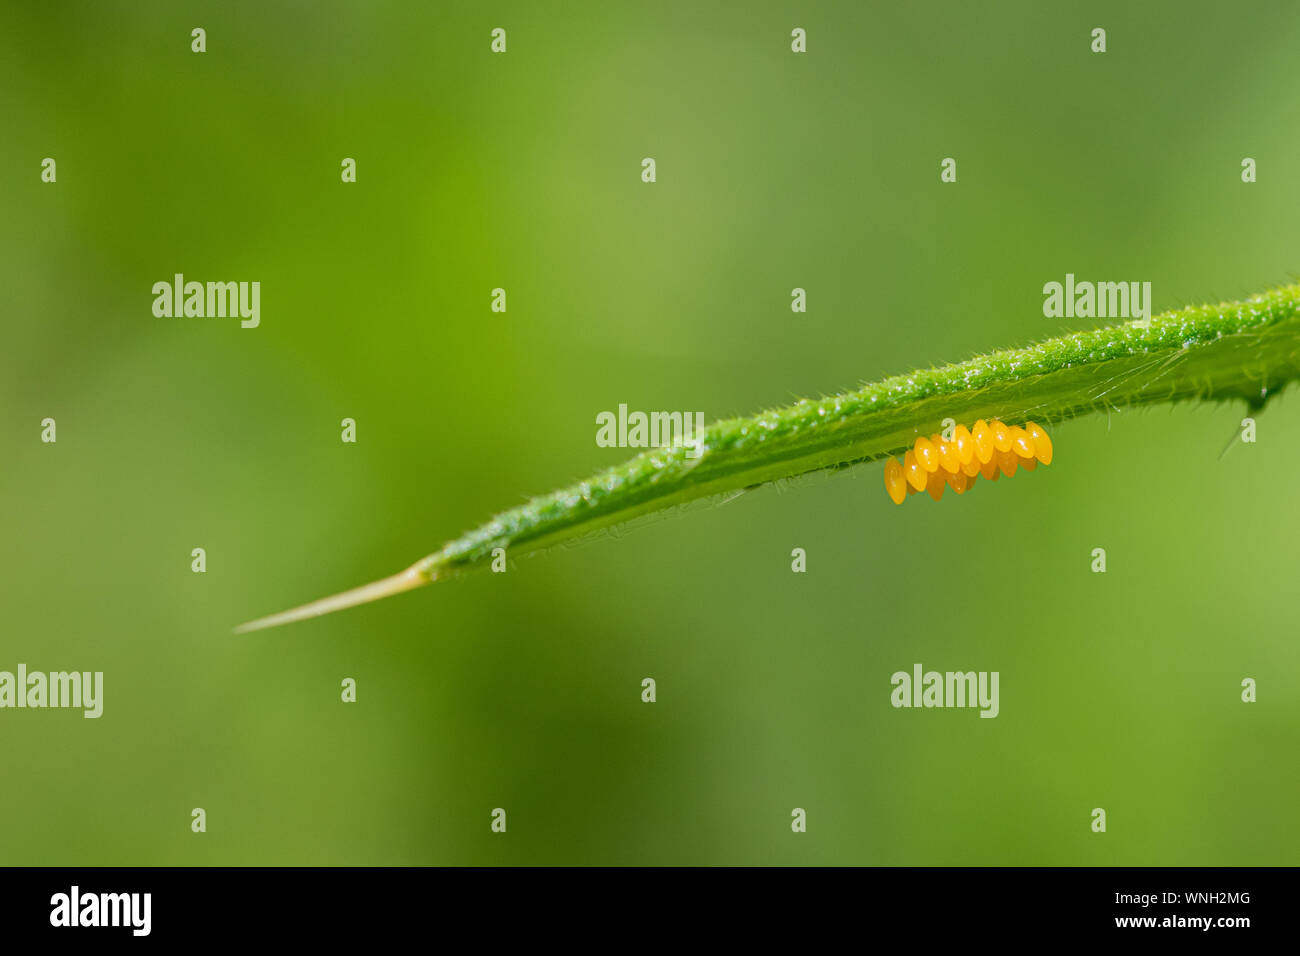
(522, 690)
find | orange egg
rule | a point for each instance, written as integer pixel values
(1006, 462)
(927, 454)
(949, 459)
(913, 470)
(988, 449)
(1042, 444)
(1021, 443)
(895, 481)
(982, 435)
(1001, 435)
(961, 437)
(935, 486)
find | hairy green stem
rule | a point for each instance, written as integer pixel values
(1235, 350)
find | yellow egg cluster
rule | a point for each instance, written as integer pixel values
(990, 449)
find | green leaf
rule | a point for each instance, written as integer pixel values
(1242, 350)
